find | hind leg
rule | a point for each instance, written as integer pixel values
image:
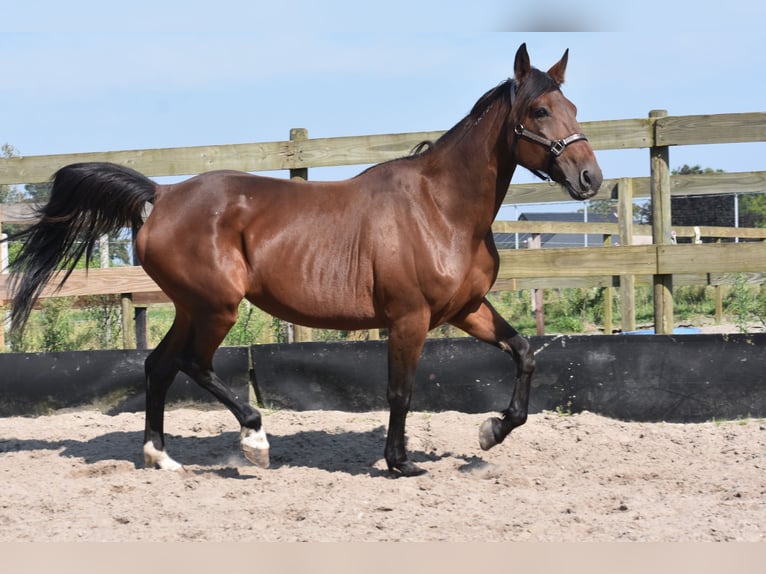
(487, 325)
(161, 368)
(206, 335)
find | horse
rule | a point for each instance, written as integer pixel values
(406, 245)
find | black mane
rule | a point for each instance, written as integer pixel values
(534, 85)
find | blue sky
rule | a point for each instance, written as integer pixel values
(96, 76)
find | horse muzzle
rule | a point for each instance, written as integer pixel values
(586, 185)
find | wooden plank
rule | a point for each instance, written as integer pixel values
(573, 227)
(731, 278)
(265, 156)
(680, 185)
(354, 150)
(618, 134)
(526, 283)
(517, 272)
(17, 213)
(711, 129)
(114, 280)
(158, 162)
(718, 183)
(520, 193)
(708, 231)
(712, 258)
(722, 232)
(150, 298)
(24, 213)
(578, 262)
(279, 155)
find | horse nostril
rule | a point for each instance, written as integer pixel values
(585, 181)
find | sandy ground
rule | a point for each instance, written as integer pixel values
(79, 475)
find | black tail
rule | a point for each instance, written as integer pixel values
(87, 201)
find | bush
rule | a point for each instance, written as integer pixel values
(56, 324)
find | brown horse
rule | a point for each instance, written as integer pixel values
(406, 245)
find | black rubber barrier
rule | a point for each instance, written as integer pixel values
(38, 383)
(679, 378)
(682, 378)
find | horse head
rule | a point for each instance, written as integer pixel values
(544, 135)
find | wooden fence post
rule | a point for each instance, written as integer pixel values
(300, 333)
(661, 228)
(3, 266)
(608, 295)
(538, 295)
(625, 225)
(128, 335)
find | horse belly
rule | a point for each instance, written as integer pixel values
(313, 289)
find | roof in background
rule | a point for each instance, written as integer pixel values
(551, 240)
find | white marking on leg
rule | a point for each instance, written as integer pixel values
(255, 438)
(159, 458)
(255, 446)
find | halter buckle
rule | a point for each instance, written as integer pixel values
(558, 147)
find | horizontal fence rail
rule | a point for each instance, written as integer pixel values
(356, 150)
(539, 264)
(592, 266)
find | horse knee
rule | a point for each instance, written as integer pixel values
(398, 400)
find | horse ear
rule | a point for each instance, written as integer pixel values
(558, 70)
(521, 66)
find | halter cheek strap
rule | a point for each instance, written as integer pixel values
(556, 147)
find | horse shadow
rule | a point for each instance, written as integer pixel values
(350, 452)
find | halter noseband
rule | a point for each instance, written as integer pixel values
(555, 147)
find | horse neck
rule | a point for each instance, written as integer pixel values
(475, 153)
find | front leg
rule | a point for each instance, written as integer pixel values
(494, 430)
(405, 343)
(487, 325)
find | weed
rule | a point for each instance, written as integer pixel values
(565, 410)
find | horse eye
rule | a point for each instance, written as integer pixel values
(540, 113)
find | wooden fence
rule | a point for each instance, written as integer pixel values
(657, 263)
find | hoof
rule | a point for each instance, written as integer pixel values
(406, 468)
(154, 458)
(255, 447)
(489, 433)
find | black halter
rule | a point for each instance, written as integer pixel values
(555, 147)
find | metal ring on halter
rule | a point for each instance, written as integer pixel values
(557, 147)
